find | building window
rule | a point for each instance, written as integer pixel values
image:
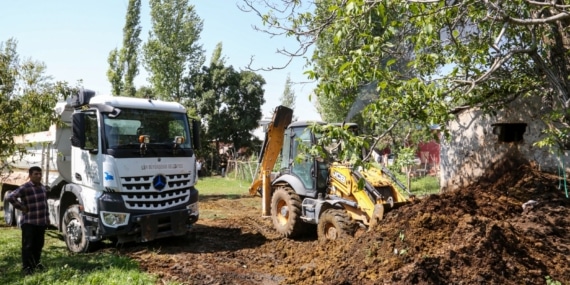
(509, 132)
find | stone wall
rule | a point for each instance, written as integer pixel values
(478, 143)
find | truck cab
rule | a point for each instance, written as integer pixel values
(119, 168)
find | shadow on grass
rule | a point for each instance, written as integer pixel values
(216, 197)
(203, 239)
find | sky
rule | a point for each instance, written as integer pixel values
(73, 39)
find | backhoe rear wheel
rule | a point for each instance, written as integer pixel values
(286, 212)
(335, 224)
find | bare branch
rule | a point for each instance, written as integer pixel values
(305, 36)
(547, 4)
(525, 22)
(551, 77)
(499, 37)
(378, 138)
(424, 1)
(497, 63)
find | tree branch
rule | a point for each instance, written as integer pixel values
(377, 139)
(525, 22)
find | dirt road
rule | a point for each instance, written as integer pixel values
(479, 235)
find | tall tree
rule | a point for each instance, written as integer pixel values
(131, 43)
(9, 61)
(123, 63)
(288, 98)
(466, 52)
(172, 50)
(115, 72)
(228, 101)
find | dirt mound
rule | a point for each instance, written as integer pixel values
(472, 236)
(478, 235)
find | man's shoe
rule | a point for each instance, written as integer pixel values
(40, 267)
(27, 271)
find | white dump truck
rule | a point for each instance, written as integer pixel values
(118, 168)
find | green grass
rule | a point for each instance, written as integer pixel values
(63, 267)
(232, 188)
(216, 185)
(217, 188)
(421, 186)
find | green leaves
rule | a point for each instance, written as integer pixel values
(124, 62)
(227, 101)
(27, 97)
(172, 50)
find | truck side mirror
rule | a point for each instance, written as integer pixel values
(85, 133)
(78, 130)
(196, 126)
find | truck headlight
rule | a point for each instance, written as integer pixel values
(114, 220)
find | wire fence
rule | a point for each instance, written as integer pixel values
(242, 170)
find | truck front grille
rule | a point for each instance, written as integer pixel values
(139, 194)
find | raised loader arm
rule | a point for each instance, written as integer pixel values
(269, 153)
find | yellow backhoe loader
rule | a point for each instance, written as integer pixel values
(319, 191)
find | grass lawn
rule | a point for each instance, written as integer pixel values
(233, 188)
(63, 267)
(216, 185)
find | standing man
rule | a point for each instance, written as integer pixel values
(31, 199)
(198, 167)
(223, 164)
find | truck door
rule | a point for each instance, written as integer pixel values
(86, 141)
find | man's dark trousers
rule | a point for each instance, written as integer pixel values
(33, 238)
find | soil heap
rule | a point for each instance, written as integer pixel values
(477, 235)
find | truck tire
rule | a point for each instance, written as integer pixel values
(286, 212)
(9, 211)
(335, 224)
(74, 232)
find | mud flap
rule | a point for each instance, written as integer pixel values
(377, 215)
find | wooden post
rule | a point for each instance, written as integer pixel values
(266, 194)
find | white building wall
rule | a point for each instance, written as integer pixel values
(472, 149)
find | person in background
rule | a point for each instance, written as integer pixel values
(198, 168)
(31, 199)
(223, 164)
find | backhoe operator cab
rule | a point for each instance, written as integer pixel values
(311, 170)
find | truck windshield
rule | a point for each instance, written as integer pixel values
(123, 129)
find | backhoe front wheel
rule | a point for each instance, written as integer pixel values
(286, 212)
(335, 224)
(74, 231)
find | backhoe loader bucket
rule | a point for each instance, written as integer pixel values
(377, 216)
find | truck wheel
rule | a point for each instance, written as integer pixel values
(74, 231)
(9, 213)
(335, 224)
(286, 212)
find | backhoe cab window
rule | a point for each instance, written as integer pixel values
(162, 128)
(302, 163)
